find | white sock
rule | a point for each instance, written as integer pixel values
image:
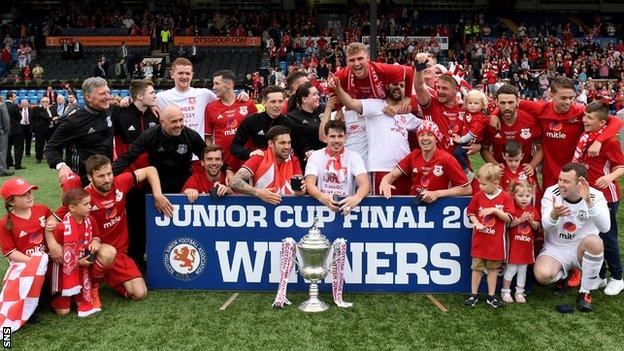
(521, 278)
(589, 271)
(510, 271)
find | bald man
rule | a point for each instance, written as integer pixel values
(170, 147)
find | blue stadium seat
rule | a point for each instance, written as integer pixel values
(33, 100)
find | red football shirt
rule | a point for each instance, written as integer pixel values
(110, 211)
(441, 172)
(200, 182)
(490, 243)
(521, 238)
(526, 130)
(446, 118)
(385, 73)
(27, 235)
(254, 162)
(223, 121)
(560, 135)
(475, 124)
(511, 176)
(610, 158)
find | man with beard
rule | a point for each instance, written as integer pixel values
(272, 173)
(211, 180)
(516, 125)
(335, 170)
(364, 79)
(108, 200)
(387, 135)
(562, 125)
(441, 108)
(223, 116)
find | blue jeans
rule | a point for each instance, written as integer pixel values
(461, 155)
(611, 246)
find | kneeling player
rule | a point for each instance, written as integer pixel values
(573, 213)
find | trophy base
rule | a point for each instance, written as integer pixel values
(313, 305)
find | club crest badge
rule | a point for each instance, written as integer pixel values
(525, 133)
(184, 259)
(437, 170)
(182, 149)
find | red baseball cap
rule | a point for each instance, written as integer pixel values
(16, 187)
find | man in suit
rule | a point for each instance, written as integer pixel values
(16, 136)
(77, 52)
(43, 116)
(60, 105)
(5, 125)
(27, 115)
(99, 70)
(51, 94)
(72, 105)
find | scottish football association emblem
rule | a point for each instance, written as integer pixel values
(184, 259)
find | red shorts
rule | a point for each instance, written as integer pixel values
(122, 270)
(403, 184)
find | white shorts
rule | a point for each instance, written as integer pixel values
(567, 256)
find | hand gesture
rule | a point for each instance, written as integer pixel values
(429, 196)
(162, 205)
(604, 181)
(191, 194)
(528, 169)
(472, 148)
(349, 203)
(257, 152)
(222, 189)
(495, 122)
(559, 210)
(594, 149)
(487, 211)
(94, 246)
(269, 195)
(386, 189)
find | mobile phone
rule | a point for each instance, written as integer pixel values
(213, 193)
(564, 308)
(336, 199)
(295, 183)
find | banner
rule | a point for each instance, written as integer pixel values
(233, 243)
(442, 41)
(217, 41)
(98, 41)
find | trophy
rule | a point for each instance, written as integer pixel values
(312, 252)
(311, 255)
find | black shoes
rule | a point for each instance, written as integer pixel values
(19, 167)
(471, 301)
(494, 301)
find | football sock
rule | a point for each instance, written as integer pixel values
(589, 271)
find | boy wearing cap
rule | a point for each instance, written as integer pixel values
(435, 173)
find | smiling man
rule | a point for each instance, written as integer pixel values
(573, 214)
(363, 79)
(170, 147)
(333, 170)
(434, 172)
(209, 179)
(89, 130)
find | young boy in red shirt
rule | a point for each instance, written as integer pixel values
(490, 210)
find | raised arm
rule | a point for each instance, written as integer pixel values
(422, 92)
(349, 102)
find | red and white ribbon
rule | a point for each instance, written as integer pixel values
(339, 258)
(287, 263)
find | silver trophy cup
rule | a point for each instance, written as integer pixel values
(312, 251)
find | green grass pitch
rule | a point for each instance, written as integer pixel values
(185, 320)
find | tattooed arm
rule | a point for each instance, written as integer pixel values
(240, 184)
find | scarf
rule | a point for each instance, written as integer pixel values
(271, 175)
(75, 278)
(377, 86)
(334, 165)
(585, 142)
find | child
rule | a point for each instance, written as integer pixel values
(78, 235)
(523, 230)
(475, 104)
(513, 171)
(603, 173)
(489, 211)
(22, 240)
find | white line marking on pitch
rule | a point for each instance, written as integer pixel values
(229, 301)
